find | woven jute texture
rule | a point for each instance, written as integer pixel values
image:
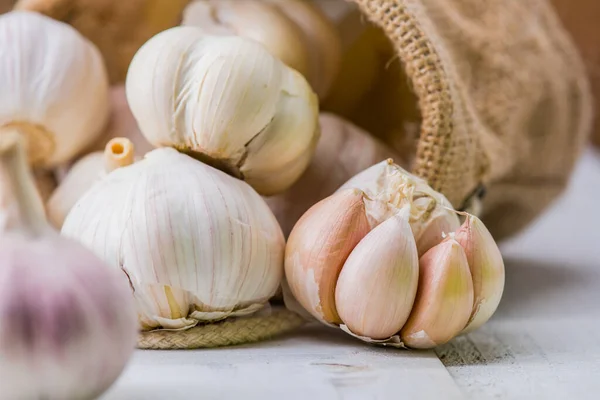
(503, 99)
(225, 333)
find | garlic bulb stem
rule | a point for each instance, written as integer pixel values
(23, 197)
(119, 152)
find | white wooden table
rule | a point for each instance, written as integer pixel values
(544, 342)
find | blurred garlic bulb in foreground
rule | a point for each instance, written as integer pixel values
(226, 101)
(197, 244)
(343, 151)
(118, 152)
(54, 87)
(67, 320)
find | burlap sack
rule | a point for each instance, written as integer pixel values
(502, 95)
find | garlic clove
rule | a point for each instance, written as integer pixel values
(317, 248)
(487, 269)
(227, 102)
(441, 223)
(376, 288)
(84, 174)
(254, 20)
(444, 298)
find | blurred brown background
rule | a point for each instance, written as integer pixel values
(582, 19)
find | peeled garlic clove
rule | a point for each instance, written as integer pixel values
(67, 321)
(343, 151)
(444, 298)
(84, 174)
(320, 37)
(487, 269)
(318, 247)
(376, 288)
(54, 87)
(441, 223)
(226, 101)
(254, 20)
(197, 244)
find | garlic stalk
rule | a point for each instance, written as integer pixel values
(226, 101)
(197, 244)
(254, 20)
(119, 152)
(54, 87)
(343, 151)
(67, 321)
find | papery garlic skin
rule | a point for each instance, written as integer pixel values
(390, 187)
(227, 101)
(67, 321)
(255, 20)
(197, 244)
(376, 288)
(54, 86)
(318, 247)
(487, 269)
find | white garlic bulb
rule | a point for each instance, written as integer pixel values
(227, 101)
(67, 320)
(197, 244)
(254, 20)
(53, 86)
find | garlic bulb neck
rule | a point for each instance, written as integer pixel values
(119, 152)
(25, 207)
(39, 142)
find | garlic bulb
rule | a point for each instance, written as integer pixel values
(67, 321)
(254, 20)
(390, 187)
(119, 152)
(343, 151)
(122, 124)
(197, 244)
(353, 261)
(54, 87)
(227, 101)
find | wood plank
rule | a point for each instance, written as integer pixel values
(315, 363)
(544, 342)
